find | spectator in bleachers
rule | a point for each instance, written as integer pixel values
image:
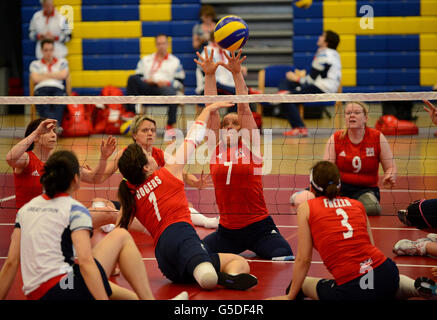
(224, 78)
(48, 23)
(324, 77)
(202, 31)
(48, 74)
(158, 74)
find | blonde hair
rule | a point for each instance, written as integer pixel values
(138, 120)
(363, 106)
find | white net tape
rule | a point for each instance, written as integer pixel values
(272, 98)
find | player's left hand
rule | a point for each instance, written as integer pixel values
(389, 181)
(108, 147)
(234, 61)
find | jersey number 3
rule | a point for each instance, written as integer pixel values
(349, 233)
(152, 199)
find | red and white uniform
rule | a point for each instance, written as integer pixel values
(158, 155)
(358, 163)
(238, 186)
(43, 67)
(27, 183)
(339, 232)
(160, 202)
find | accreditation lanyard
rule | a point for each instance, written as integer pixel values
(156, 65)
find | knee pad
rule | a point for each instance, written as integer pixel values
(205, 275)
(371, 204)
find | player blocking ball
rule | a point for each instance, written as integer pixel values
(231, 33)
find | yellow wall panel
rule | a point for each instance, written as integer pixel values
(75, 62)
(155, 12)
(428, 59)
(339, 9)
(155, 1)
(74, 46)
(96, 79)
(147, 45)
(428, 41)
(348, 60)
(428, 8)
(107, 29)
(67, 2)
(347, 43)
(428, 76)
(349, 77)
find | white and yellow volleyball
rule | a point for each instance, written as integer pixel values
(231, 33)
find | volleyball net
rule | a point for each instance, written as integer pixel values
(286, 160)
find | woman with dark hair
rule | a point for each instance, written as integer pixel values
(156, 197)
(339, 229)
(202, 31)
(28, 156)
(48, 228)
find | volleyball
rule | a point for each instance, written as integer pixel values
(231, 33)
(125, 128)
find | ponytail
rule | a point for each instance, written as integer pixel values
(131, 165)
(59, 172)
(325, 179)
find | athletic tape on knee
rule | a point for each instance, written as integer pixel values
(98, 204)
(205, 275)
(196, 134)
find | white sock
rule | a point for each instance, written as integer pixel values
(181, 296)
(200, 220)
(205, 275)
(406, 288)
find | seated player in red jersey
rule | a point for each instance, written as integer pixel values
(156, 197)
(357, 151)
(28, 156)
(144, 134)
(236, 169)
(338, 228)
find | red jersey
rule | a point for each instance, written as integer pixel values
(160, 202)
(339, 232)
(158, 155)
(236, 174)
(27, 183)
(358, 163)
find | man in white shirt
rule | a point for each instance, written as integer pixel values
(48, 23)
(49, 74)
(324, 77)
(158, 74)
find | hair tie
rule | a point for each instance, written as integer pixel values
(130, 186)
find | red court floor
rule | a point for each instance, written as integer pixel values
(273, 276)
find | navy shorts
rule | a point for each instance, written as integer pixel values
(77, 289)
(261, 237)
(382, 285)
(354, 192)
(179, 251)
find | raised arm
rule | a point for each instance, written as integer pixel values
(329, 154)
(102, 171)
(17, 157)
(195, 136)
(209, 67)
(388, 163)
(432, 111)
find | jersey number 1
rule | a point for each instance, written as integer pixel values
(349, 233)
(152, 199)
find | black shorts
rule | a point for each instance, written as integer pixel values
(354, 192)
(76, 288)
(179, 251)
(382, 285)
(261, 237)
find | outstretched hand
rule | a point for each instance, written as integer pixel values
(107, 147)
(432, 111)
(234, 61)
(46, 126)
(207, 63)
